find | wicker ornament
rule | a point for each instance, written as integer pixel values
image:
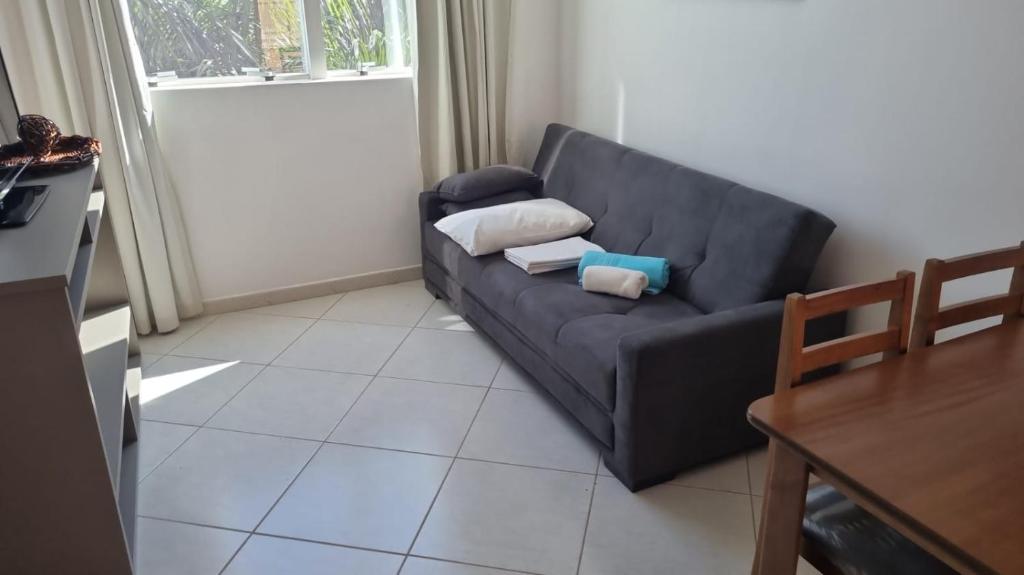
(45, 150)
(39, 134)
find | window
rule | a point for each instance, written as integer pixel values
(354, 34)
(183, 39)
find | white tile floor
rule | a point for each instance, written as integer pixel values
(377, 433)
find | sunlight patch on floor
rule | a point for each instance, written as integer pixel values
(158, 386)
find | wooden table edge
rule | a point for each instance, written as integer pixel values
(905, 525)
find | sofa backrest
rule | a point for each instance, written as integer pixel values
(728, 245)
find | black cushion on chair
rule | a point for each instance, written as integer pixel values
(859, 544)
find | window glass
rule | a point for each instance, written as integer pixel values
(365, 34)
(203, 38)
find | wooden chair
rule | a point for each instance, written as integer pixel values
(795, 360)
(930, 317)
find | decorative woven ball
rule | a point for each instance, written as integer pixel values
(38, 133)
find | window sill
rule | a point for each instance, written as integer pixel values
(235, 84)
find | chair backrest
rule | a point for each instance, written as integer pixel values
(930, 317)
(795, 359)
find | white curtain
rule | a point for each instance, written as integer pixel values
(74, 61)
(462, 76)
(8, 111)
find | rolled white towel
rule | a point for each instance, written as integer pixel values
(615, 281)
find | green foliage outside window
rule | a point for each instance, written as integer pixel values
(197, 38)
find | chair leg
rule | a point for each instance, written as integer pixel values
(778, 541)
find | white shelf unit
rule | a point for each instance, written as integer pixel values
(69, 383)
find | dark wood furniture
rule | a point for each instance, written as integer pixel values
(930, 442)
(777, 549)
(795, 359)
(69, 378)
(930, 317)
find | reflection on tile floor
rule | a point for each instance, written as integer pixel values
(377, 433)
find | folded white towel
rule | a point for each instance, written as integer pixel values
(551, 256)
(615, 281)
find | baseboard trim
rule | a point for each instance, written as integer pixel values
(315, 289)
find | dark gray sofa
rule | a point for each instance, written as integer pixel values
(663, 382)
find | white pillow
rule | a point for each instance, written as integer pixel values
(487, 230)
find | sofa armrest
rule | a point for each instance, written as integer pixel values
(722, 345)
(683, 389)
(430, 207)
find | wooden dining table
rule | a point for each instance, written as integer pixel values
(931, 443)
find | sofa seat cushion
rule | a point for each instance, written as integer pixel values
(579, 331)
(452, 258)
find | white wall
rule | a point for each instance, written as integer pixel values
(534, 76)
(902, 121)
(293, 183)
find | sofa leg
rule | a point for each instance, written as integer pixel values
(631, 481)
(433, 289)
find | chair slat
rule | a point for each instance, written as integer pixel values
(842, 299)
(930, 317)
(850, 347)
(974, 310)
(980, 263)
(1016, 287)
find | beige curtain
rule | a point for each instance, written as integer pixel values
(462, 74)
(74, 61)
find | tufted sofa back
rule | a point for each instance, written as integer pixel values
(728, 245)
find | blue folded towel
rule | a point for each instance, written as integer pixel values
(656, 269)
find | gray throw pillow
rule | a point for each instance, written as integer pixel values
(487, 182)
(450, 208)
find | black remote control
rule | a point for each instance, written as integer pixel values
(20, 204)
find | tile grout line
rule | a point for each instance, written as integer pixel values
(197, 427)
(234, 395)
(586, 525)
(590, 509)
(166, 457)
(750, 489)
(451, 465)
(264, 368)
(193, 523)
(327, 543)
(304, 466)
(456, 562)
(253, 310)
(409, 553)
(333, 305)
(272, 535)
(430, 454)
(213, 320)
(322, 443)
(372, 375)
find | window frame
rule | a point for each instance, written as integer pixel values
(314, 52)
